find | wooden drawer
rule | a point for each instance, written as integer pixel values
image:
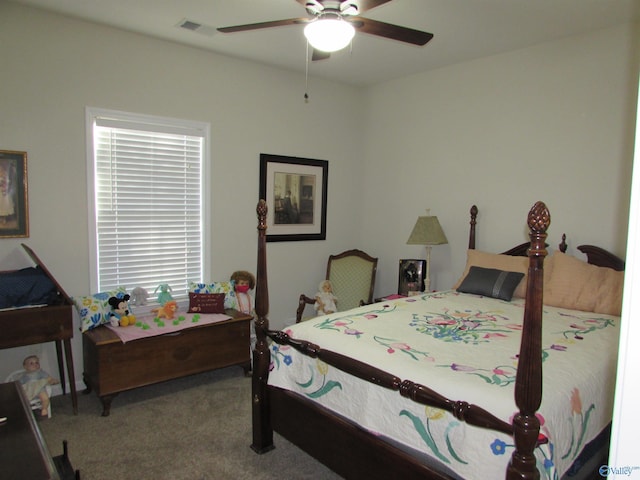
(29, 326)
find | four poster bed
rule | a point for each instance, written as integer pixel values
(372, 392)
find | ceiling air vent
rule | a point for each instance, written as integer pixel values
(196, 27)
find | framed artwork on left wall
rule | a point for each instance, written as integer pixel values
(14, 205)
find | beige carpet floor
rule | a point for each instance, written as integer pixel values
(195, 428)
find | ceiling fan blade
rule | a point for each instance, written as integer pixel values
(319, 55)
(363, 5)
(387, 30)
(258, 26)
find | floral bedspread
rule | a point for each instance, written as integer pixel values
(465, 347)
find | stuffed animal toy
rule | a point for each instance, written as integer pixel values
(120, 313)
(168, 310)
(164, 296)
(139, 296)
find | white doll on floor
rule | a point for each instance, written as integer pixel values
(34, 381)
(325, 299)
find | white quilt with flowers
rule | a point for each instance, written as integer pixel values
(465, 347)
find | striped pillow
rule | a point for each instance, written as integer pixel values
(491, 282)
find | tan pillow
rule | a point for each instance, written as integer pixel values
(577, 285)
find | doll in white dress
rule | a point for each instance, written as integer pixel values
(34, 381)
(325, 299)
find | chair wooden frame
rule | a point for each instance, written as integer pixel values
(304, 300)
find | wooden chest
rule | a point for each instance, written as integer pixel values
(111, 367)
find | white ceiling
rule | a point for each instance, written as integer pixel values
(463, 29)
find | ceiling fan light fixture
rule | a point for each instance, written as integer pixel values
(329, 34)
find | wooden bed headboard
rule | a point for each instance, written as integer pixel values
(595, 255)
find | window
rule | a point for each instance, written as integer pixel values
(147, 201)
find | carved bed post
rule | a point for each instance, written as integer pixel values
(472, 230)
(528, 389)
(261, 418)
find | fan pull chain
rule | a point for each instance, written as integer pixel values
(306, 75)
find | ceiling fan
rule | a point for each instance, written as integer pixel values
(344, 17)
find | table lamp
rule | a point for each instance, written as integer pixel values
(427, 231)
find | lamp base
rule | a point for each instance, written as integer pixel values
(427, 279)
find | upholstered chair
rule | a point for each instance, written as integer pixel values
(352, 275)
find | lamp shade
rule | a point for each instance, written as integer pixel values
(427, 231)
(329, 34)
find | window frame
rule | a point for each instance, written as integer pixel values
(148, 122)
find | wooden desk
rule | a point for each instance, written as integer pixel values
(50, 323)
(111, 367)
(23, 452)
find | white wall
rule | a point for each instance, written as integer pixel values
(55, 66)
(554, 122)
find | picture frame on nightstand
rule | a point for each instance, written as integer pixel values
(411, 275)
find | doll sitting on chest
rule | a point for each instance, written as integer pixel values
(244, 282)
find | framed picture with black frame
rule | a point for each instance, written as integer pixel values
(14, 205)
(295, 190)
(411, 275)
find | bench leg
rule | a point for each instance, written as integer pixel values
(88, 389)
(106, 404)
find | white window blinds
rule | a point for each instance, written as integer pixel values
(148, 195)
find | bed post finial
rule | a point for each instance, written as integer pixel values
(262, 429)
(472, 230)
(539, 218)
(528, 389)
(562, 246)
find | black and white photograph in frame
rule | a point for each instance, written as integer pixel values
(411, 275)
(295, 190)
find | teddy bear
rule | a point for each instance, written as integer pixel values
(120, 314)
